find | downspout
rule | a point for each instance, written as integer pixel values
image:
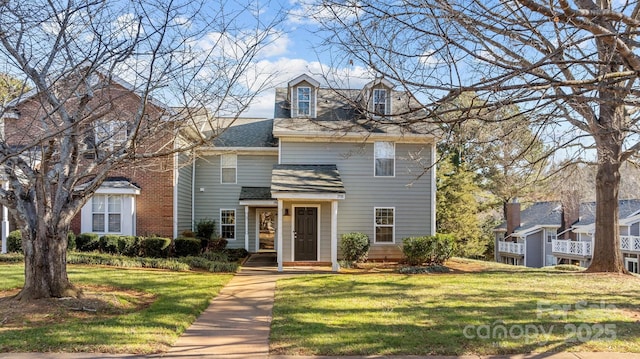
(193, 190)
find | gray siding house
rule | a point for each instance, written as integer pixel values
(548, 233)
(330, 162)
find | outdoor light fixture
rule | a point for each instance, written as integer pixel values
(286, 212)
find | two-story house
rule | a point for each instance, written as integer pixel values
(137, 198)
(548, 233)
(330, 162)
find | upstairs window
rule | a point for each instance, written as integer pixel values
(385, 159)
(551, 237)
(304, 101)
(380, 101)
(110, 134)
(228, 168)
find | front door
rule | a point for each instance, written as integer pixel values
(306, 234)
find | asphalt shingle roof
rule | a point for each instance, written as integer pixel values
(539, 213)
(626, 207)
(306, 179)
(247, 133)
(255, 194)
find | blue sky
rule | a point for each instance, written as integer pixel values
(295, 51)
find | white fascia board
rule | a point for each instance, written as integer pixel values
(240, 150)
(131, 191)
(309, 195)
(320, 136)
(528, 232)
(259, 203)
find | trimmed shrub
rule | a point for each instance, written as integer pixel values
(417, 250)
(14, 242)
(108, 244)
(129, 245)
(432, 250)
(71, 241)
(217, 244)
(235, 254)
(205, 228)
(354, 247)
(443, 249)
(185, 247)
(125, 262)
(87, 242)
(155, 247)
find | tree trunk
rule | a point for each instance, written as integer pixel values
(607, 256)
(45, 266)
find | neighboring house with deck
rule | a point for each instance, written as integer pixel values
(547, 233)
(329, 163)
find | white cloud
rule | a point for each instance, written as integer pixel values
(277, 73)
(429, 58)
(311, 12)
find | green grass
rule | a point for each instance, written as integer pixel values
(180, 297)
(393, 314)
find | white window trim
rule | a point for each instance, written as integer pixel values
(298, 114)
(106, 213)
(234, 167)
(628, 260)
(114, 129)
(375, 158)
(235, 227)
(386, 101)
(551, 237)
(375, 225)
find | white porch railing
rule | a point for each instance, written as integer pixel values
(575, 248)
(630, 243)
(510, 247)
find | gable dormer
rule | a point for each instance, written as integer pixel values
(303, 95)
(377, 99)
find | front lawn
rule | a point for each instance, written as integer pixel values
(174, 300)
(498, 311)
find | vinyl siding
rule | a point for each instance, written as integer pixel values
(185, 193)
(211, 195)
(409, 192)
(533, 254)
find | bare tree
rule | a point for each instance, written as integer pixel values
(570, 66)
(115, 85)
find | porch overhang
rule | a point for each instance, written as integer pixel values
(257, 197)
(311, 182)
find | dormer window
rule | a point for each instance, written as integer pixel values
(380, 101)
(304, 101)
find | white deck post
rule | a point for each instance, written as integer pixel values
(279, 248)
(246, 228)
(334, 236)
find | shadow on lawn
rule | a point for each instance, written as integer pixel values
(490, 313)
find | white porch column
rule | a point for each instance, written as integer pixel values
(279, 231)
(334, 236)
(5, 223)
(246, 228)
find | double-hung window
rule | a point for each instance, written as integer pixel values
(106, 214)
(228, 224)
(380, 102)
(304, 101)
(228, 168)
(551, 237)
(384, 223)
(111, 134)
(385, 159)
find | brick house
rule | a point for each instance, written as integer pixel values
(136, 199)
